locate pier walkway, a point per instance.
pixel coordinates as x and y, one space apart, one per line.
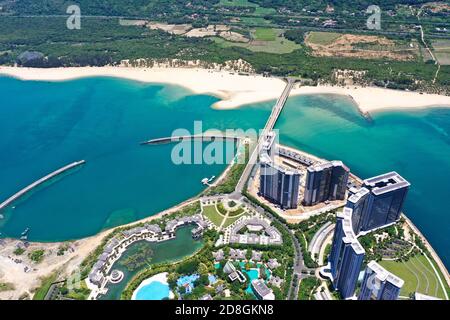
203 137
276 111
16 196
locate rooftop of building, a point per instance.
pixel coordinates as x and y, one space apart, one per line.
329 164
386 182
261 288
384 275
359 193
267 160
350 237
268 141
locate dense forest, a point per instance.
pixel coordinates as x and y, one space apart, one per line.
349 5
112 7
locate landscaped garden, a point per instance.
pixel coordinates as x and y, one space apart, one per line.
223 215
418 275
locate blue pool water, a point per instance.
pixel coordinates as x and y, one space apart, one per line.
253 274
187 282
212 279
153 291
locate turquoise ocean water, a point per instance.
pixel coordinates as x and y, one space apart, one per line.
45 126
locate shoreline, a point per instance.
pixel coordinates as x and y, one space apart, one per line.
235 89
234 96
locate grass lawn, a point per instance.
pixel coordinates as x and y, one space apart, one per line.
322 38
418 275
236 212
265 34
230 220
212 214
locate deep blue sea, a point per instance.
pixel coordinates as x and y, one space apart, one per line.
46 125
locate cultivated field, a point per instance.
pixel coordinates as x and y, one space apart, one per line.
245 3
418 275
442 51
264 40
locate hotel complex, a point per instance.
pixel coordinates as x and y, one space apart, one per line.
377 204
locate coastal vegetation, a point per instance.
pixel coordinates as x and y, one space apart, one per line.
229 182
37 255
19 251
6 286
45 285
406 257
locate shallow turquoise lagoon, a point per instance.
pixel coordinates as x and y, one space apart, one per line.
46 125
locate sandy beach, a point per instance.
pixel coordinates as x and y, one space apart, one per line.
235 90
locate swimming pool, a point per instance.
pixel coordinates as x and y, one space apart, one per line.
187 282
153 291
253 274
154 288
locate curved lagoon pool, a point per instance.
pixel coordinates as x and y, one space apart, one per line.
154 288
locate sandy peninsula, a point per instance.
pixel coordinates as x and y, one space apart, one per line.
233 89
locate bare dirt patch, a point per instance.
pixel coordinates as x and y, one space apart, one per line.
178 29
362 46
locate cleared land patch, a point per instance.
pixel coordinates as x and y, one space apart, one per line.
322 38
331 44
418 276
